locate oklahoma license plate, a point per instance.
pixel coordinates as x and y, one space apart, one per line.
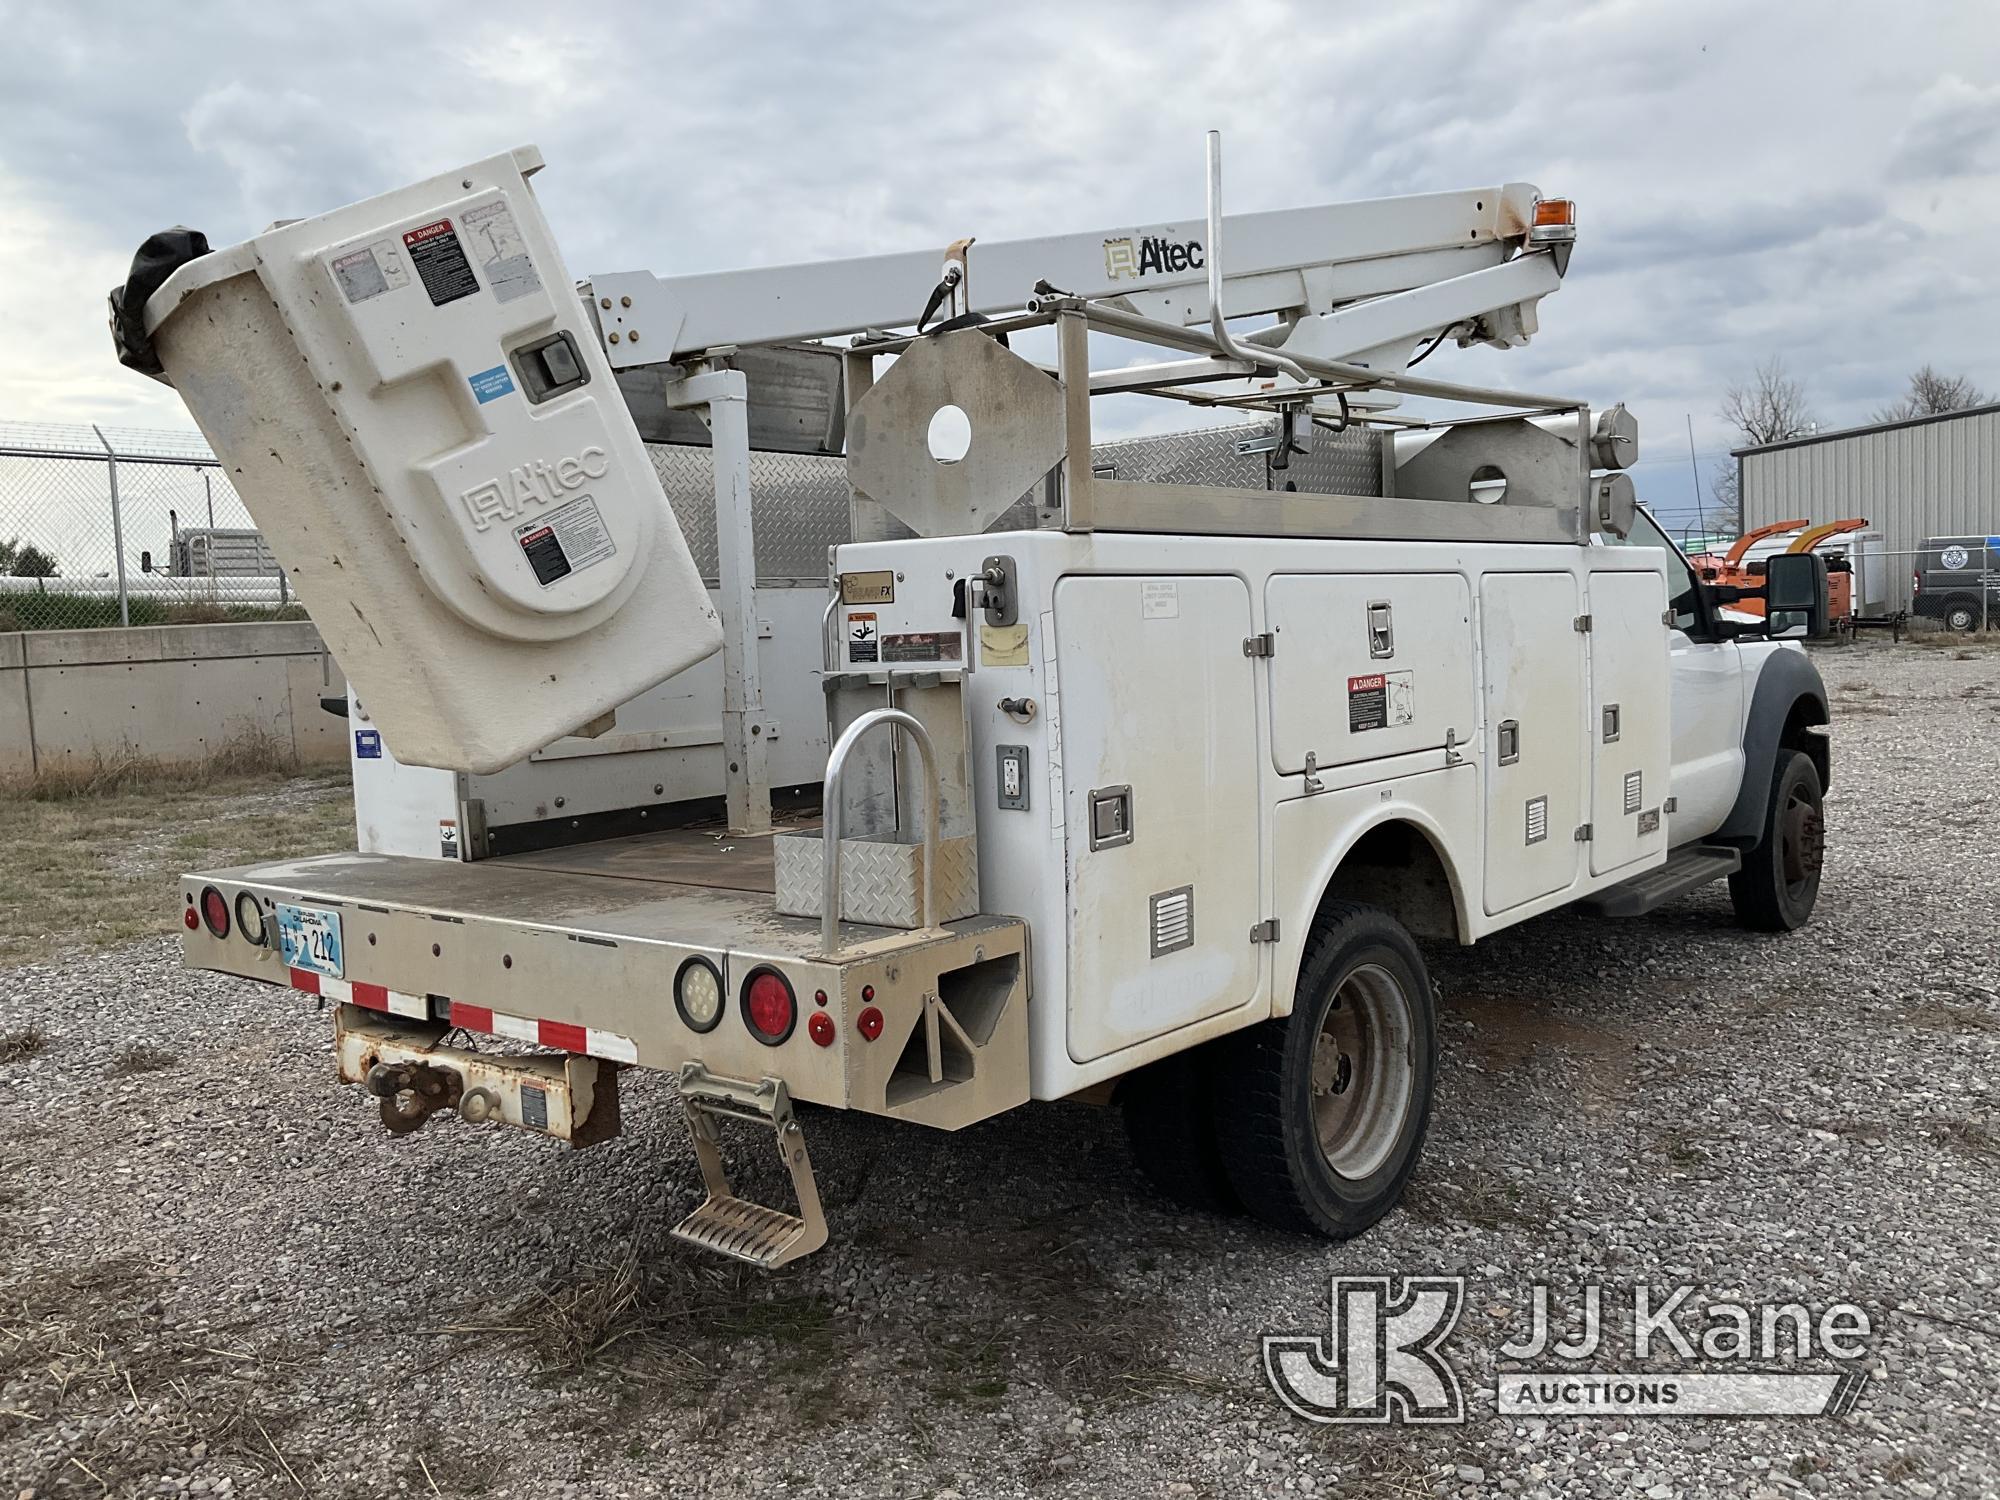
309 939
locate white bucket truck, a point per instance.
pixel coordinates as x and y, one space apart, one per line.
1031 766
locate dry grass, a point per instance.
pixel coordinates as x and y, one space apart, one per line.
19 1046
89 855
90 1348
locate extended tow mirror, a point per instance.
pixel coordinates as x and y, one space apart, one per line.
1795 593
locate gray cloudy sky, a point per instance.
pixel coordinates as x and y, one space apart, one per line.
1811 179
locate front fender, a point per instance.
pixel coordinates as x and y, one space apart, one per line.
1789 693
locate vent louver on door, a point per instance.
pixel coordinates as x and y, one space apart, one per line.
1635 790
1538 819
1171 916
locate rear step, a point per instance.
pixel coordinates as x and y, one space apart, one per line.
1686 869
725 1223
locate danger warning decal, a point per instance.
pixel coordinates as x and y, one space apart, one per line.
565 541
440 262
864 642
1381 700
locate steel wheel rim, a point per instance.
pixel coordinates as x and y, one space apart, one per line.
1801 841
1363 1072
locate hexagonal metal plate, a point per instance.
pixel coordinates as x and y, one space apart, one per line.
1016 416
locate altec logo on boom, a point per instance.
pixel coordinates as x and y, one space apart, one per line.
1151 255
536 483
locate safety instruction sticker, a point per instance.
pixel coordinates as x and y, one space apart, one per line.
500 251
1381 700
440 261
565 541
370 270
1159 599
491 385
922 645
864 641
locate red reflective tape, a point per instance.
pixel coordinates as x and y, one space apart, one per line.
305 979
471 1017
561 1034
374 996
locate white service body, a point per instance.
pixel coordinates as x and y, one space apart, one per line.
1132 648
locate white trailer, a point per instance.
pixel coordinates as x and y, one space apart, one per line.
1134 771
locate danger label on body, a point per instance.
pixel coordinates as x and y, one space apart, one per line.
1381 700
440 261
864 642
565 541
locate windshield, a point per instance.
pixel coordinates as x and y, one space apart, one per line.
1646 532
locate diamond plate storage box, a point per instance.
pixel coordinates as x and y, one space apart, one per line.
881 878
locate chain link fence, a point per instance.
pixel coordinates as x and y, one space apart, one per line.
126 526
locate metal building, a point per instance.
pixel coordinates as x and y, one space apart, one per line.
1924 477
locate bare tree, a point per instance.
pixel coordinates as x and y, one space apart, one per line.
1725 499
1933 393
1770 408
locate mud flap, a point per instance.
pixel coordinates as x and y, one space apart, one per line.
729 1225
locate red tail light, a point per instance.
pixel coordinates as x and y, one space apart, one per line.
215 911
768 1006
821 1028
191 919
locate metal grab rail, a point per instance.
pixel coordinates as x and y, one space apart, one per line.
829 890
1218 324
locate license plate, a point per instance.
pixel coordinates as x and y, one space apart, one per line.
309 939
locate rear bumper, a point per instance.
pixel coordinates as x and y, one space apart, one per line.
925 1026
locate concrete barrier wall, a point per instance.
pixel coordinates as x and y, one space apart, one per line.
172 693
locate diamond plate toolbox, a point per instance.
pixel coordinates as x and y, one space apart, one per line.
881 880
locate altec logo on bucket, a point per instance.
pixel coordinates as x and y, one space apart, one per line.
1382 1359
536 483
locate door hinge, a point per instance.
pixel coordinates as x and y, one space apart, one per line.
1265 931
1260 645
1667 618
1671 805
1313 783
1583 834
1581 624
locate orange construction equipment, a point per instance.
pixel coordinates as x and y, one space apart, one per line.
1728 567
1839 582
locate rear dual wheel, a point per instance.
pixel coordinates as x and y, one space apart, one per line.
1314 1121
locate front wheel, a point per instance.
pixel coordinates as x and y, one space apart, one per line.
1779 882
1320 1115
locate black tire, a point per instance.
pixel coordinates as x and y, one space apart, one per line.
1779 882
1363 988
1169 1111
1961 615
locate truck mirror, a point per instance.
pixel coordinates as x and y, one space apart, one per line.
1795 592
145 562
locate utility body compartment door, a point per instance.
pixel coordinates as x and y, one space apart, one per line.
1367 665
1158 718
1534 735
1631 735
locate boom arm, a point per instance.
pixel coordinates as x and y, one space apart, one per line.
1344 279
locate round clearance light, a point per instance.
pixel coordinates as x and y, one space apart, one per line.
768 1007
215 911
698 994
820 1029
250 918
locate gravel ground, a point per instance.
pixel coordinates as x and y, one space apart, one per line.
219 1276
